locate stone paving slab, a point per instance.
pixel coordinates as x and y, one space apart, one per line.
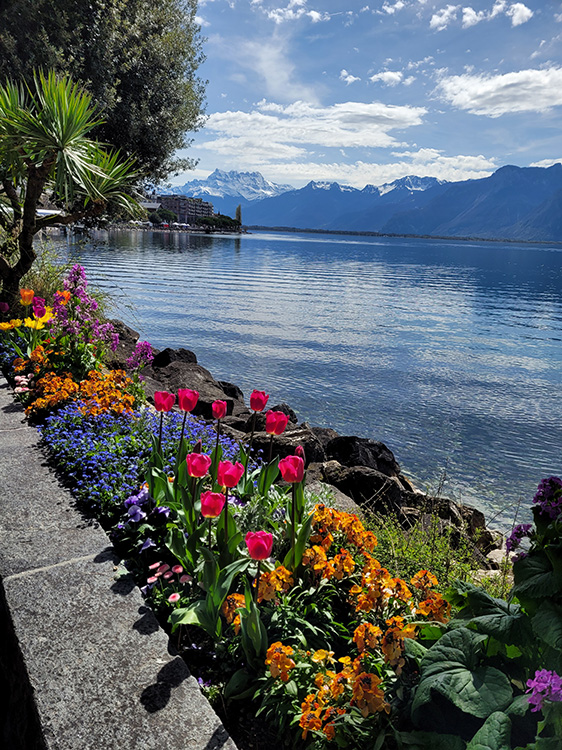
101 672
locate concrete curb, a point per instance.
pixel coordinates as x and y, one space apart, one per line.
84 663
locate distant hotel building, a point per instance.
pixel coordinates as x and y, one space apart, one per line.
186 209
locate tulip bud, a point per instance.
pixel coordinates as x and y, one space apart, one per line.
212 504
198 464
163 401
292 469
260 544
229 474
258 400
187 399
219 409
275 422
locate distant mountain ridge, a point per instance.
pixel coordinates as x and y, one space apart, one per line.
519 203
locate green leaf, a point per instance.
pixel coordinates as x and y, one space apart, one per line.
534 576
547 624
450 668
494 734
195 614
241 685
414 649
267 476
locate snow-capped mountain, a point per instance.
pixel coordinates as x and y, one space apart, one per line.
226 190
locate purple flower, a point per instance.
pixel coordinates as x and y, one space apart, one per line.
549 497
141 356
135 513
148 543
514 539
4 307
162 510
547 686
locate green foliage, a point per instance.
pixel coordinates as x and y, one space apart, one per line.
137 58
425 545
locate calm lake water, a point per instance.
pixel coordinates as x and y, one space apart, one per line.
450 352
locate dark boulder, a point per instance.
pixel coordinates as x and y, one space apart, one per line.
325 435
167 356
181 374
285 444
350 450
369 488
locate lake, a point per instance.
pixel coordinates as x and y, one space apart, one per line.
450 352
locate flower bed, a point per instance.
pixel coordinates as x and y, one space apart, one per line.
277 601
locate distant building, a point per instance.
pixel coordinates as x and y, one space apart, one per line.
186 209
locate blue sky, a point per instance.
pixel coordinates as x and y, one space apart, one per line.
367 92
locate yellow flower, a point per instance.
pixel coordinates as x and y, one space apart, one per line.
36 325
323 655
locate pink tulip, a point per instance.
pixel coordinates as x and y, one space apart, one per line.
163 401
275 422
177 569
219 409
292 469
260 544
198 464
187 399
229 474
258 400
212 504
173 598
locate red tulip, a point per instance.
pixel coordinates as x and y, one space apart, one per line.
260 544
258 400
219 409
229 474
198 464
292 469
299 451
187 399
212 504
275 422
163 401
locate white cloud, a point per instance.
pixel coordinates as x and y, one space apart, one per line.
200 21
499 7
388 77
269 59
276 132
546 162
521 91
471 17
293 11
316 17
391 9
443 17
347 77
519 14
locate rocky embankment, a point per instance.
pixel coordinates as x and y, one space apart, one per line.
361 472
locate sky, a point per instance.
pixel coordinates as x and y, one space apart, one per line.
367 92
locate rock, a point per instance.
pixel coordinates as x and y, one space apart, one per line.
260 417
128 338
350 450
182 374
285 444
405 482
334 497
167 356
324 435
367 487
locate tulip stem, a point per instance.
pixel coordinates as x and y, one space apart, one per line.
258 582
226 516
270 448
160 433
209 533
218 436
182 428
293 520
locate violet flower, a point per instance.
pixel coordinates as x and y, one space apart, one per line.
547 686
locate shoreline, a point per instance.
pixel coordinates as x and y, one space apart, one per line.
363 473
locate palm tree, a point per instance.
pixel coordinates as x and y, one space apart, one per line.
45 152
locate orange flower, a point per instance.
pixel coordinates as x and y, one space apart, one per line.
435 607
366 636
62 297
315 557
27 296
279 661
368 696
424 580
229 607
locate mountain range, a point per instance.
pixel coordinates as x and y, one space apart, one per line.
518 203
